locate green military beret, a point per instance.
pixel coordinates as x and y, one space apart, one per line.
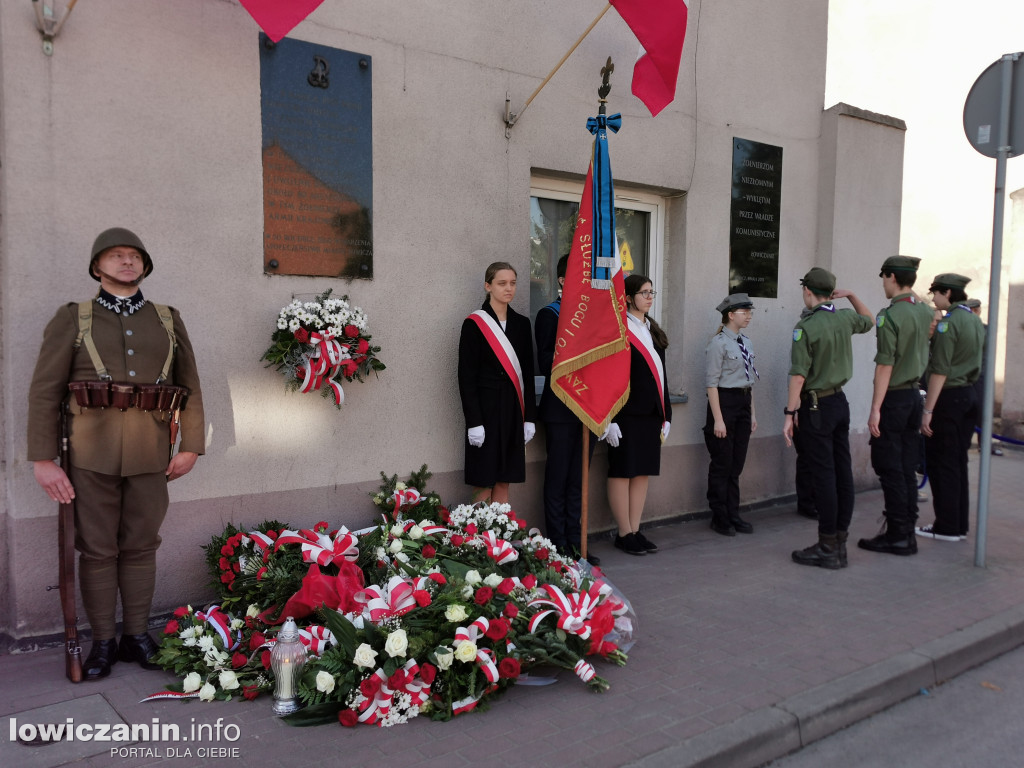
951 280
819 280
735 301
899 264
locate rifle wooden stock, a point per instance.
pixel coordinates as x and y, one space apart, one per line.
66 567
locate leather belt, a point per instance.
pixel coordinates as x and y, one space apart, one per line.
122 395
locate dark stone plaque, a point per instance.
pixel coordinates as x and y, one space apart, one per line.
317 160
754 223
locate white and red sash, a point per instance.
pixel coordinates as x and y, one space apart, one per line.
503 350
645 346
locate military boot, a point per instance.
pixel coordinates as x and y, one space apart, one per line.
824 554
894 538
841 537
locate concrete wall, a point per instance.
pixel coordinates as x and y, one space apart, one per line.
148 116
1013 256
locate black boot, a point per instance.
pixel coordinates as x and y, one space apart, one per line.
102 657
138 648
894 539
741 525
824 554
720 525
841 537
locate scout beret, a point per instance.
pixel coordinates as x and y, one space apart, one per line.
951 280
735 301
900 264
111 238
819 280
972 303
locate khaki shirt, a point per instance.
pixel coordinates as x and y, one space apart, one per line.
957 347
133 348
901 335
724 361
822 350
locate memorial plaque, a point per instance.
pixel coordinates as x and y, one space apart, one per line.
755 218
317 160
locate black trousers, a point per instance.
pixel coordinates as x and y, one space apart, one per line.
804 485
728 454
563 473
823 437
895 455
946 456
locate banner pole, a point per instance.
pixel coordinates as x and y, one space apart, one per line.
584 482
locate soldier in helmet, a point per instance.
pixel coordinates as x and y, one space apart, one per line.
124 367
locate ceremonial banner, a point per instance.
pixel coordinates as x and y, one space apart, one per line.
278 17
590 372
660 26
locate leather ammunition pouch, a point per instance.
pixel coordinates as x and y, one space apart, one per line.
113 394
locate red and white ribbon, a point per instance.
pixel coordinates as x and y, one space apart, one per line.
410 497
322 363
572 611
484 656
499 550
584 670
221 624
317 639
376 709
320 548
393 599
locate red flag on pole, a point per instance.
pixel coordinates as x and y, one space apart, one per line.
660 26
590 372
279 17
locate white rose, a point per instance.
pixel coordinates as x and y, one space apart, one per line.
397 529
396 545
444 660
192 682
466 651
381 553
237 624
252 611
324 681
415 533
365 656
206 692
467 592
473 577
400 486
397 643
455 613
493 580
228 680
402 557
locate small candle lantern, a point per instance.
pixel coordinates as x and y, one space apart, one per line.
287 660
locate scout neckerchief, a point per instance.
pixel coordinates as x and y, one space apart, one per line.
748 361
646 348
909 298
502 349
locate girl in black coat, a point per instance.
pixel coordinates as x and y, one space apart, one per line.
497 389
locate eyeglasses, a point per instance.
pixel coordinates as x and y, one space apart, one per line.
647 294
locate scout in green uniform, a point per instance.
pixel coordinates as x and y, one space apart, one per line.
901 333
817 412
950 407
129 365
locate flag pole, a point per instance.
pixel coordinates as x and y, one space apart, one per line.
512 117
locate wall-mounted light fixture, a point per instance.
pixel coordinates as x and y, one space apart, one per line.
49 25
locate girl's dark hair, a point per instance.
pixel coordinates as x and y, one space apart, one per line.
635 284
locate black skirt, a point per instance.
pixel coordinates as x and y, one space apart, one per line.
639 450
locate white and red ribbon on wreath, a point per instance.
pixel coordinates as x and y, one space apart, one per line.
409 497
221 624
393 599
484 656
374 710
584 670
572 611
315 638
318 547
499 550
322 363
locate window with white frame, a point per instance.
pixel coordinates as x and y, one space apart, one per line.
639 229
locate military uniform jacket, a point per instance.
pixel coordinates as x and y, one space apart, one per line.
724 361
901 335
822 350
133 348
957 347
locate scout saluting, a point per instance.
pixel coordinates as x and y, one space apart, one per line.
497 388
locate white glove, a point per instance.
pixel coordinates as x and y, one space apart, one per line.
476 436
612 434
529 430
665 429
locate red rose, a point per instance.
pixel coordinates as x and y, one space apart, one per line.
471 529
266 556
457 540
224 564
521 524
427 673
437 578
236 540
529 581
260 574
542 553
256 641
227 550
171 628
351 331
349 367
511 610
272 534
180 613
321 527
428 551
250 692
370 686
363 346
421 596
508 668
506 586
301 335
348 717
237 568
397 681
497 629
557 566
239 660
483 595
444 515
227 577
265 659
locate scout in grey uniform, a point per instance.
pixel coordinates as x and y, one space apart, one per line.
901 332
129 366
729 376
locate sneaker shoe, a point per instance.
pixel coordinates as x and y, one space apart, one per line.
630 545
922 496
649 546
928 532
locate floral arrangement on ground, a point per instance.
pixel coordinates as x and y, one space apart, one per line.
433 610
318 343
